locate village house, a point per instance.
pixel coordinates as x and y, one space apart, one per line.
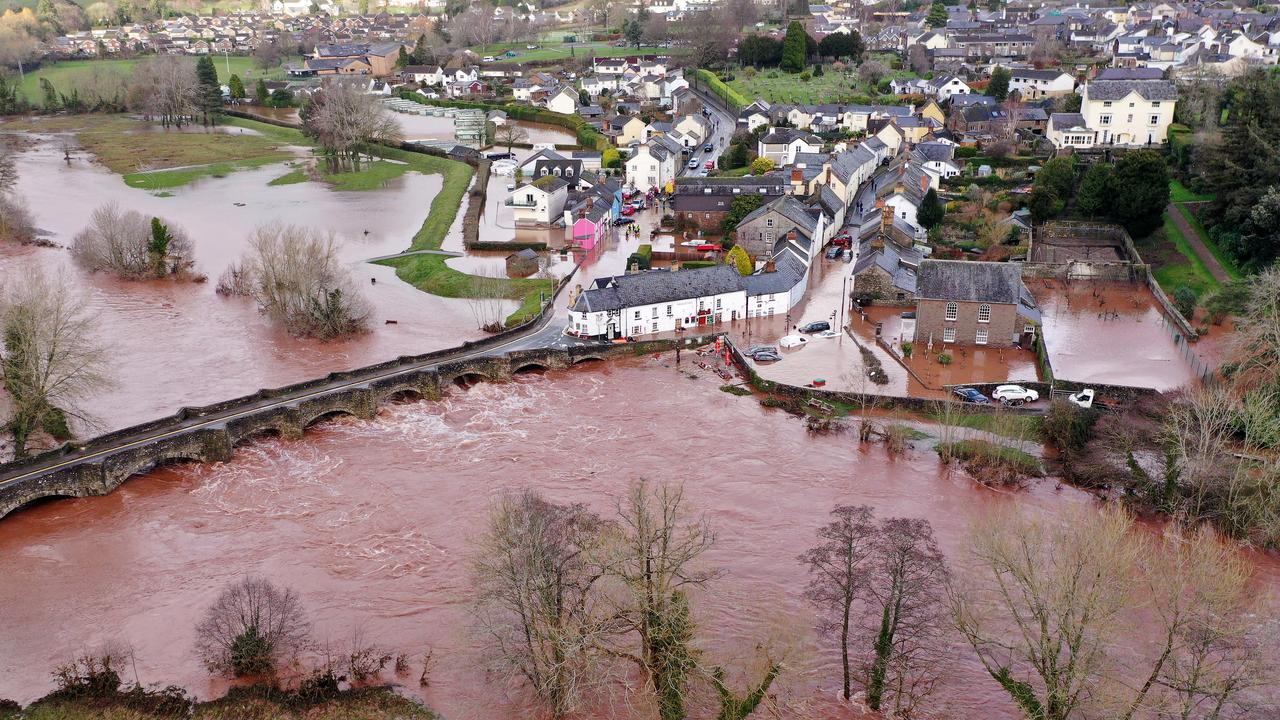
657 301
563 101
973 303
1129 112
1038 84
703 202
1068 130
653 164
781 145
784 223
539 204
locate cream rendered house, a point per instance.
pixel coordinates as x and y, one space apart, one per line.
1129 112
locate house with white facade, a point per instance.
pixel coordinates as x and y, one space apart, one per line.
1129 112
540 203
656 301
781 145
944 87
1037 84
653 164
564 101
1068 130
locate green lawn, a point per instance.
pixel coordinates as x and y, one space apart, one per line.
68 73
777 86
371 176
1180 193
1189 270
559 51
165 179
292 177
1022 427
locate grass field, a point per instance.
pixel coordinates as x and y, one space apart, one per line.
367 704
1021 427
371 176
552 50
65 74
777 86
1222 257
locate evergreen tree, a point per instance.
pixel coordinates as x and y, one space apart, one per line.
937 15
1044 204
742 206
1093 198
1058 175
210 91
1140 191
404 59
421 53
260 92
236 86
738 259
931 210
998 88
794 48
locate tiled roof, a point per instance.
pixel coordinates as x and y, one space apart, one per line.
967 281
658 286
1120 89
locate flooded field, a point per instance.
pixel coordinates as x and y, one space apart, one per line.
179 343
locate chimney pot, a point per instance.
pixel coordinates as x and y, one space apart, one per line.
924 184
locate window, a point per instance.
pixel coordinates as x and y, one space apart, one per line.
655 312
1155 104
953 311
768 222
984 313
1028 329
717 303
1106 104
1130 104
637 315
981 336
949 335
1155 119
668 311
1105 119
655 327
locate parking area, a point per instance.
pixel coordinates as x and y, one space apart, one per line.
1111 333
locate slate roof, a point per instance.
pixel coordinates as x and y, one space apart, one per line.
1120 89
937 152
785 136
657 286
1038 74
549 183
1143 73
1066 121
899 262
789 271
788 207
966 281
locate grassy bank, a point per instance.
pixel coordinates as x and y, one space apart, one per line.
1002 461
430 274
1011 425
1223 259
1180 193
366 704
1182 266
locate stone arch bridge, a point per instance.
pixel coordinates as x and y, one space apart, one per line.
210 434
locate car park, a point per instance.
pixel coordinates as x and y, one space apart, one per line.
815 327
1014 394
1083 398
968 394
790 341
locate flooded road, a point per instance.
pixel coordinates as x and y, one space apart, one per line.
174 344
371 522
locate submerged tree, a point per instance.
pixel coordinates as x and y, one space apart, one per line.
51 357
165 87
535 573
346 121
253 628
128 244
295 276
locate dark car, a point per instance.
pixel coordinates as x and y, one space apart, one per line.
834 252
968 394
624 221
766 356
815 327
759 348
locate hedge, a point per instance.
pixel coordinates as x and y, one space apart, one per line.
731 97
587 135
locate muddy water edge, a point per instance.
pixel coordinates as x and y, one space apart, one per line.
371 522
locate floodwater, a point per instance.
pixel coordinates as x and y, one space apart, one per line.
371 522
174 344
1122 318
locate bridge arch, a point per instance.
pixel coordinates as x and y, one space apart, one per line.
587 358
401 394
274 430
115 475
530 366
327 414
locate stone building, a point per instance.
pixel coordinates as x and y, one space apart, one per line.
973 303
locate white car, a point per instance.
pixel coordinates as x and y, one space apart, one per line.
1014 394
1084 398
790 341
829 334
487 58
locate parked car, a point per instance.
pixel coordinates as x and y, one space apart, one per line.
1084 398
815 327
708 148
693 164
628 210
790 341
624 221
1014 394
487 58
766 356
834 252
752 350
710 165
531 47
968 394
828 334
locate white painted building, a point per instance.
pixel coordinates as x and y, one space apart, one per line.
1037 84
657 301
1129 112
653 164
1068 130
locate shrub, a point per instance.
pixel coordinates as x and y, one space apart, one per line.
907 349
130 245
805 76
735 390
944 358
991 463
16 221
1068 425
1184 299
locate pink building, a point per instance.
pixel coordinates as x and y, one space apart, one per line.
591 231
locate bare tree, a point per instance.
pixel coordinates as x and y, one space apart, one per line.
52 359
509 134
654 563
253 628
871 72
1041 612
130 245
164 87
905 612
294 275
838 568
16 222
918 59
268 55
535 572
488 300
345 120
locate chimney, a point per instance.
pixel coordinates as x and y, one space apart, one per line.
897 187
797 175
886 218
770 265
924 184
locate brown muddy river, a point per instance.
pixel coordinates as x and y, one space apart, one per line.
371 521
